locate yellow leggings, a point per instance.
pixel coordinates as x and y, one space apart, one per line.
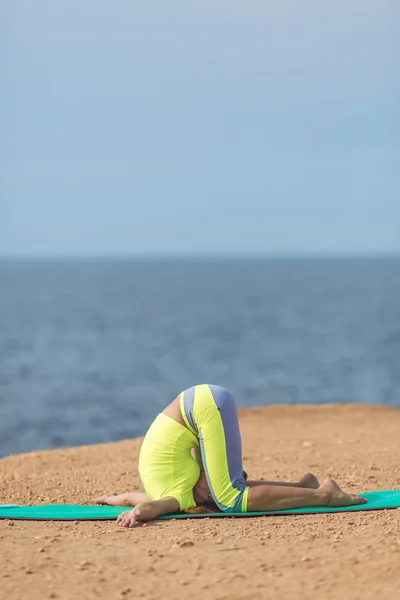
210 413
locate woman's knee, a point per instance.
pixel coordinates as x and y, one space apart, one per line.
223 398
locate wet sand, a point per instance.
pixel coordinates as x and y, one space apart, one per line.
348 556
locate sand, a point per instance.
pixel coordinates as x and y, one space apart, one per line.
347 556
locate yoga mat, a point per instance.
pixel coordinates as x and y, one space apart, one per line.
76 512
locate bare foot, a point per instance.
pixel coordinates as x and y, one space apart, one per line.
337 497
309 481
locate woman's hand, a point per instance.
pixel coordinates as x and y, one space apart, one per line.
145 511
148 511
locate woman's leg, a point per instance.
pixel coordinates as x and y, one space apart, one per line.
266 497
211 411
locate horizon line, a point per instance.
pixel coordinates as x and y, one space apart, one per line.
61 257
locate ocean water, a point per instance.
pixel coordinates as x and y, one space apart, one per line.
91 351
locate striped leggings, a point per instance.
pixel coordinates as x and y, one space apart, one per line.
210 413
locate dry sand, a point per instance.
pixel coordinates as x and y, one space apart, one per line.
347 556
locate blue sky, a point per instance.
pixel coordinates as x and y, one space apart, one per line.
188 127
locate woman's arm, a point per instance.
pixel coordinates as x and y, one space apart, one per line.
148 511
127 499
307 481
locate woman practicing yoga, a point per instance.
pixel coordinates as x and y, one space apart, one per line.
204 418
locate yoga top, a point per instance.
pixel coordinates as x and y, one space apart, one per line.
166 466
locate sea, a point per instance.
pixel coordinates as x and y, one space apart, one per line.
92 350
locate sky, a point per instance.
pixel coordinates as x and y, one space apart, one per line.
199 127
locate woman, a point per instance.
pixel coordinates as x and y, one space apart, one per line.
205 418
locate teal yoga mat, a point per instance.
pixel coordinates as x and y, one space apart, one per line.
76 512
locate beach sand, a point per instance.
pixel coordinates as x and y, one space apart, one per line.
348 556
